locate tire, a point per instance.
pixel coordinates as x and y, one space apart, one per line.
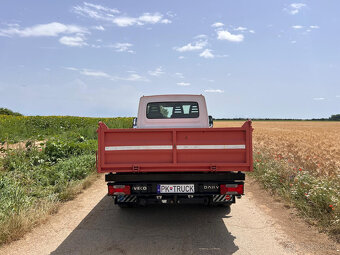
226 208
225 205
124 205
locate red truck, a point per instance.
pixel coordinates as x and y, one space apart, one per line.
172 155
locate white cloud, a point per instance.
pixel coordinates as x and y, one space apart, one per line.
150 18
201 36
337 96
100 28
51 29
244 29
71 68
217 24
294 11
295 8
319 98
94 73
179 75
171 14
314 27
297 5
100 12
293 42
124 21
240 29
157 72
73 35
297 27
94 11
181 57
166 21
207 54
183 84
100 74
122 47
89 72
192 46
73 41
225 35
101 8
146 18
214 91
132 77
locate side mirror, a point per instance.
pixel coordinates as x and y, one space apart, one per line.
211 121
134 125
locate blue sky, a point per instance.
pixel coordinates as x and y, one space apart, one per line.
96 58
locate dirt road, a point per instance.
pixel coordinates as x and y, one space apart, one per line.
92 224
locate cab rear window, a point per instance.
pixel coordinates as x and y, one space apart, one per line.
172 110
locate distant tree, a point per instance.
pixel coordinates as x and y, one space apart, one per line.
335 117
5 111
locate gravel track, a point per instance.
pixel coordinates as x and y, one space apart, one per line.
92 224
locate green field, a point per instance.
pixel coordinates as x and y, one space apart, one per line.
36 176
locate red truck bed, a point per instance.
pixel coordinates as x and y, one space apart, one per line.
175 149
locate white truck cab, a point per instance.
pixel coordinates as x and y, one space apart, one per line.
173 111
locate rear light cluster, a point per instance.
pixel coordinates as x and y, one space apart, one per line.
119 190
232 189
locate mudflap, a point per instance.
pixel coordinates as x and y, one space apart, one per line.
223 199
126 199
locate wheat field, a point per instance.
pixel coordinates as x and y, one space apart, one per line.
313 146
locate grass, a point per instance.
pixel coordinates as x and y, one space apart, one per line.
17 128
317 198
35 180
300 161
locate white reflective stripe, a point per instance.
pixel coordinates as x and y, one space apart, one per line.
142 147
210 147
169 147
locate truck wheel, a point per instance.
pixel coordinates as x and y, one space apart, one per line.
226 208
124 205
226 205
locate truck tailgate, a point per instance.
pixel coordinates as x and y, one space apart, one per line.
175 149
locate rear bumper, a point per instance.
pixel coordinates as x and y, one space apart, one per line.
144 188
174 199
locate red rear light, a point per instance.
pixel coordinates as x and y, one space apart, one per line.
119 190
232 189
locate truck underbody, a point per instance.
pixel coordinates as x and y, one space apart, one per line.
129 189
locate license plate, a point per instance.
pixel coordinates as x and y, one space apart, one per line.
175 188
